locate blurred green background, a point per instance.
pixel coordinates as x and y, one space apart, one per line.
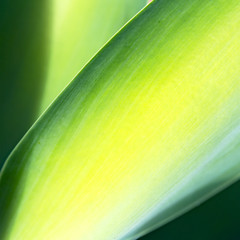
24 43
216 219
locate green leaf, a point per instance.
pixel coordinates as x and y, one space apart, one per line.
147 130
80 28
76 30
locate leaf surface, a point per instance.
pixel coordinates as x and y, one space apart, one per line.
147 130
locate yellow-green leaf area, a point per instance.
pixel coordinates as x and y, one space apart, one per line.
149 128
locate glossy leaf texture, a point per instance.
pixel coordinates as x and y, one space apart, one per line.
80 28
147 130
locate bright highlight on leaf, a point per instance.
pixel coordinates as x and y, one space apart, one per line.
143 133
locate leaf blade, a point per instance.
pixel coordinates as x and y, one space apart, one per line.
140 120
